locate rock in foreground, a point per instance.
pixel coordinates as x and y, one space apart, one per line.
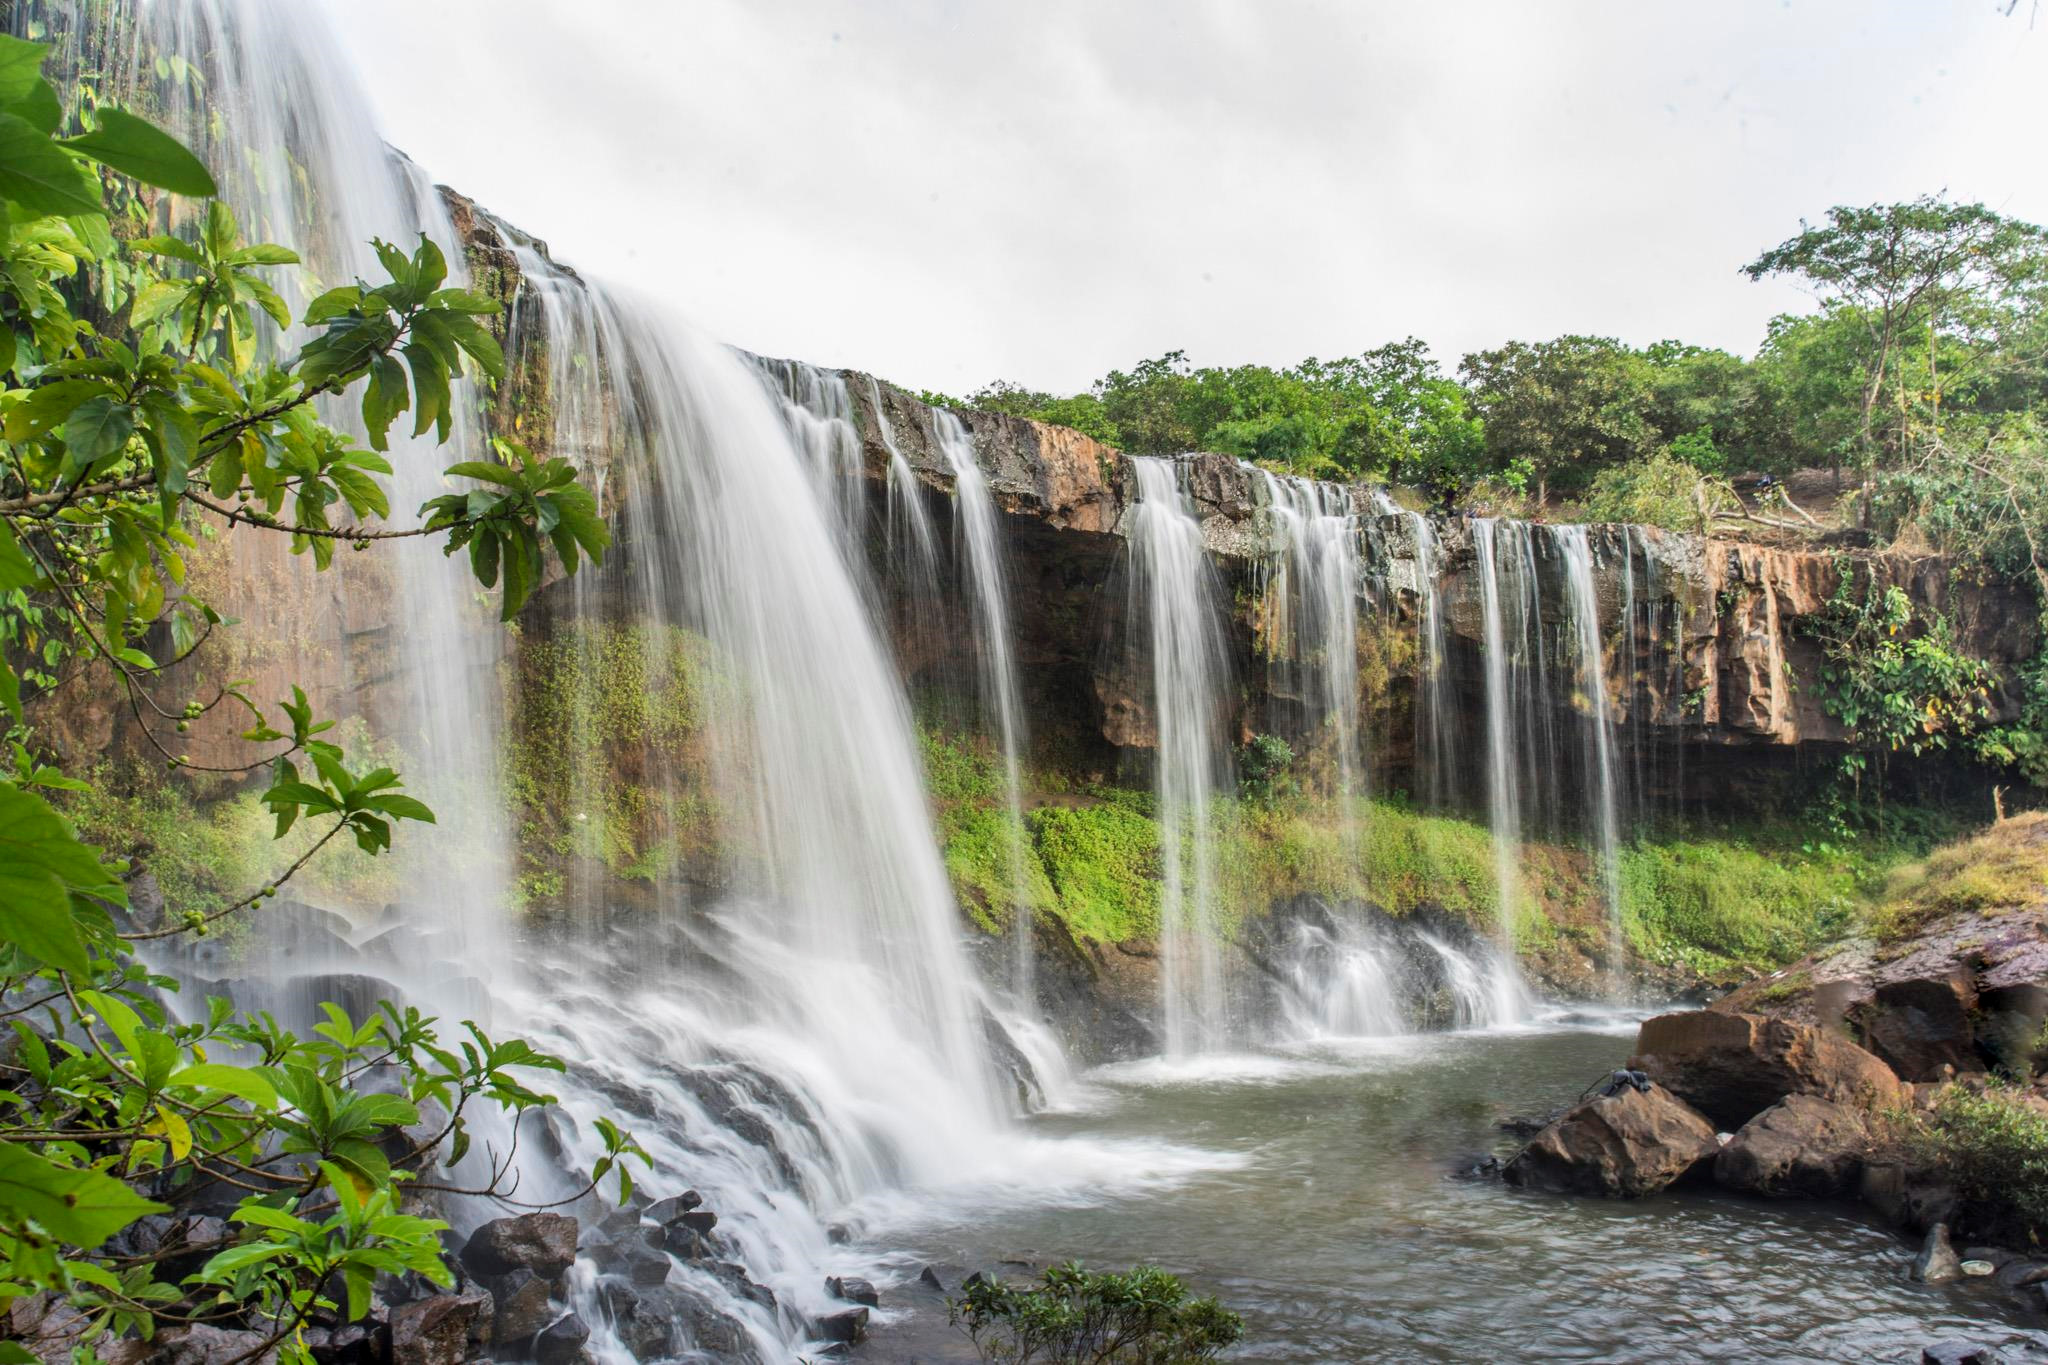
1802 1147
1628 1144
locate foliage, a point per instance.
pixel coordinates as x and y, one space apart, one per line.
1719 905
1663 490
1992 1147
1897 684
1103 862
1265 768
139 396
1939 291
1137 1317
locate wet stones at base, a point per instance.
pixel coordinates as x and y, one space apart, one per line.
854 1289
1937 1262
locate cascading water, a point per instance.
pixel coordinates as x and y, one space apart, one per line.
1311 616
1174 593
1582 610
989 577
1504 803
1435 756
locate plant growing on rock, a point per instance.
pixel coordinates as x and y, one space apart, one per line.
1081 1317
139 404
1992 1146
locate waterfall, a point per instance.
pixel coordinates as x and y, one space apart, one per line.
1434 751
1175 593
989 579
1310 601
1504 803
1582 611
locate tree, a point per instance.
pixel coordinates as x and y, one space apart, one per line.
1915 276
1566 407
137 405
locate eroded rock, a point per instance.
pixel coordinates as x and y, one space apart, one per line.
1628 1144
544 1243
1732 1067
1801 1147
1937 1262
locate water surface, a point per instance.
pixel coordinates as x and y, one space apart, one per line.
1330 1214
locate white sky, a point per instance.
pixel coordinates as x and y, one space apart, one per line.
947 192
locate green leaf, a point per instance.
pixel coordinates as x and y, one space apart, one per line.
239 1081
21 67
404 808
41 864
265 253
81 1207
97 429
139 149
39 175
157 300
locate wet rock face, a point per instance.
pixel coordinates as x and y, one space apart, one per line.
544 1243
1628 1144
1732 1067
1801 1147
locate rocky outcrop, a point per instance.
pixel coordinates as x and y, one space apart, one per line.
1627 1144
1961 988
1732 1067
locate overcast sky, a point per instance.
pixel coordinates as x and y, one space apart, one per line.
947 192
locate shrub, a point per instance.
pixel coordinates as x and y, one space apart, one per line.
1265 768
1663 490
1137 1317
1993 1148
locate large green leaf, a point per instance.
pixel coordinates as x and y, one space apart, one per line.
41 863
144 151
21 67
96 429
80 1207
40 176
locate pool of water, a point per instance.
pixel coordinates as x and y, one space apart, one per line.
1316 1190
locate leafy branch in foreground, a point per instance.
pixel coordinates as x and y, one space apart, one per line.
1082 1317
147 399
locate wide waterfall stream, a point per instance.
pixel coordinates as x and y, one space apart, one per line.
798 1027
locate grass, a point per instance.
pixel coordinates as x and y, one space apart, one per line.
1716 901
2003 868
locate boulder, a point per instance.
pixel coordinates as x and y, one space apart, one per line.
643 1323
853 1290
1732 1067
1960 1353
1628 1144
1922 1024
443 1330
201 1344
2018 1273
1937 1262
1802 1147
352 1343
929 1278
1912 1198
544 1243
561 1341
675 1206
849 1326
521 1306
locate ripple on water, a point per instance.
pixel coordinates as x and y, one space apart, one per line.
1312 1189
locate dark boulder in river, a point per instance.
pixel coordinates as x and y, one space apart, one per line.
1631 1143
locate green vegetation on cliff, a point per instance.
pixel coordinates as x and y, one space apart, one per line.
1712 902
